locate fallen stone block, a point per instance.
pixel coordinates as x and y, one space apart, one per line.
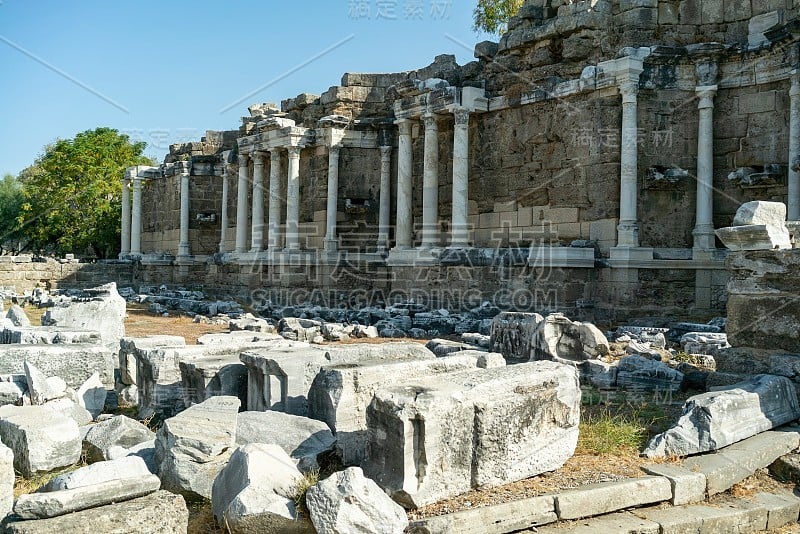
600 374
40 389
67 408
461 421
280 377
48 335
131 346
493 519
117 431
559 339
99 472
787 468
158 513
6 480
55 503
213 376
734 515
254 492
101 309
755 237
146 451
41 439
340 394
92 395
72 363
17 316
637 373
301 438
713 420
512 333
11 392
192 447
348 502
605 497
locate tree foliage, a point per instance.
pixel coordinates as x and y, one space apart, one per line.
10 202
72 193
492 16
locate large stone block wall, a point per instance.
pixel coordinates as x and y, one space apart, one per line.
24 273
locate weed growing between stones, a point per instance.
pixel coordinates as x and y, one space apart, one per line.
24 486
309 479
620 429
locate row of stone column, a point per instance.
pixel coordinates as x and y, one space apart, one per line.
131 216
430 182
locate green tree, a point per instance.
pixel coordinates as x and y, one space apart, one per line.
10 202
72 193
492 16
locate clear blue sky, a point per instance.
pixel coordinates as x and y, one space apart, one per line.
172 66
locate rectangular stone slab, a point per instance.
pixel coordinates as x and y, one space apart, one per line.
434 438
605 497
55 503
73 363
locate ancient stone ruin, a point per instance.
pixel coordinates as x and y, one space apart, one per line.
553 222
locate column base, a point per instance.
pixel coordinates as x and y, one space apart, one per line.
704 238
628 234
330 245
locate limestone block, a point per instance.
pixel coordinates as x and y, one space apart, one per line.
40 389
713 420
254 492
128 352
782 507
760 24
6 480
301 438
17 316
47 335
461 421
348 502
72 363
117 431
761 102
638 373
101 309
10 393
280 377
787 468
99 472
601 374
65 407
340 394
192 447
146 451
687 486
561 215
755 237
92 395
211 376
158 513
605 497
41 439
760 212
559 339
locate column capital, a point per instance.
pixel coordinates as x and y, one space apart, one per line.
333 150
258 157
430 120
386 153
629 89
294 151
404 126
706 94
184 167
243 159
461 115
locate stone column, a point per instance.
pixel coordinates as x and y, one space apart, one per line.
241 203
126 218
223 212
404 184
384 206
459 229
330 243
430 184
293 200
793 203
136 217
274 235
257 224
628 228
704 215
183 242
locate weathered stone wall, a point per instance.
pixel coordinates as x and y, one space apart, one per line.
24 273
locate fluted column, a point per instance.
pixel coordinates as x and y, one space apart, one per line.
257 224
793 202
223 217
330 243
136 217
183 241
384 204
293 200
430 184
628 228
241 203
704 214
403 228
459 229
125 248
274 230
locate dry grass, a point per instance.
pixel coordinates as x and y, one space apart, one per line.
201 519
309 479
23 486
140 322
